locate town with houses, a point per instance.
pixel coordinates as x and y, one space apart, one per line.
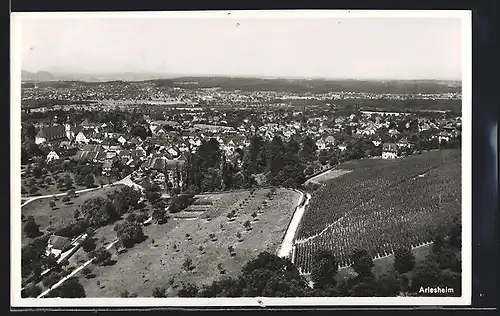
146 136
170 139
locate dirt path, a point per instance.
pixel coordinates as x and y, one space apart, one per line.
286 246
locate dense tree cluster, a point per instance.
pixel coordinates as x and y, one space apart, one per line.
129 233
31 228
267 275
99 212
282 163
71 288
32 255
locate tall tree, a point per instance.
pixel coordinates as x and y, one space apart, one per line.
426 274
324 269
99 212
89 244
308 150
255 157
188 290
102 256
270 275
362 262
129 233
71 288
31 228
28 131
404 260
389 284
275 153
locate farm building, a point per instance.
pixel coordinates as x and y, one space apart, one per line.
49 134
389 151
57 245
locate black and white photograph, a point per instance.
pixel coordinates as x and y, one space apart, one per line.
241 158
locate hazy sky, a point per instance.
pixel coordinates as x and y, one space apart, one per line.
382 48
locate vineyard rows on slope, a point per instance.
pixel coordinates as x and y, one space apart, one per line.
412 197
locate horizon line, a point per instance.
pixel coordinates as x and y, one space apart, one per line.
233 76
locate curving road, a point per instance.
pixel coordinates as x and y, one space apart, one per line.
287 244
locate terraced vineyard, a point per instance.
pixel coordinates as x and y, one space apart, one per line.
381 208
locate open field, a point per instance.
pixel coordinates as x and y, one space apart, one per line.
155 261
63 213
378 208
327 176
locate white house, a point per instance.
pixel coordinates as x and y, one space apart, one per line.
393 132
330 141
342 147
86 136
122 140
321 144
81 138
52 156
172 152
376 143
389 151
107 166
443 137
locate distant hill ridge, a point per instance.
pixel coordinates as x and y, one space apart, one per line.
42 76
257 84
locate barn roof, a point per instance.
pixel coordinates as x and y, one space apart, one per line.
52 132
59 242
